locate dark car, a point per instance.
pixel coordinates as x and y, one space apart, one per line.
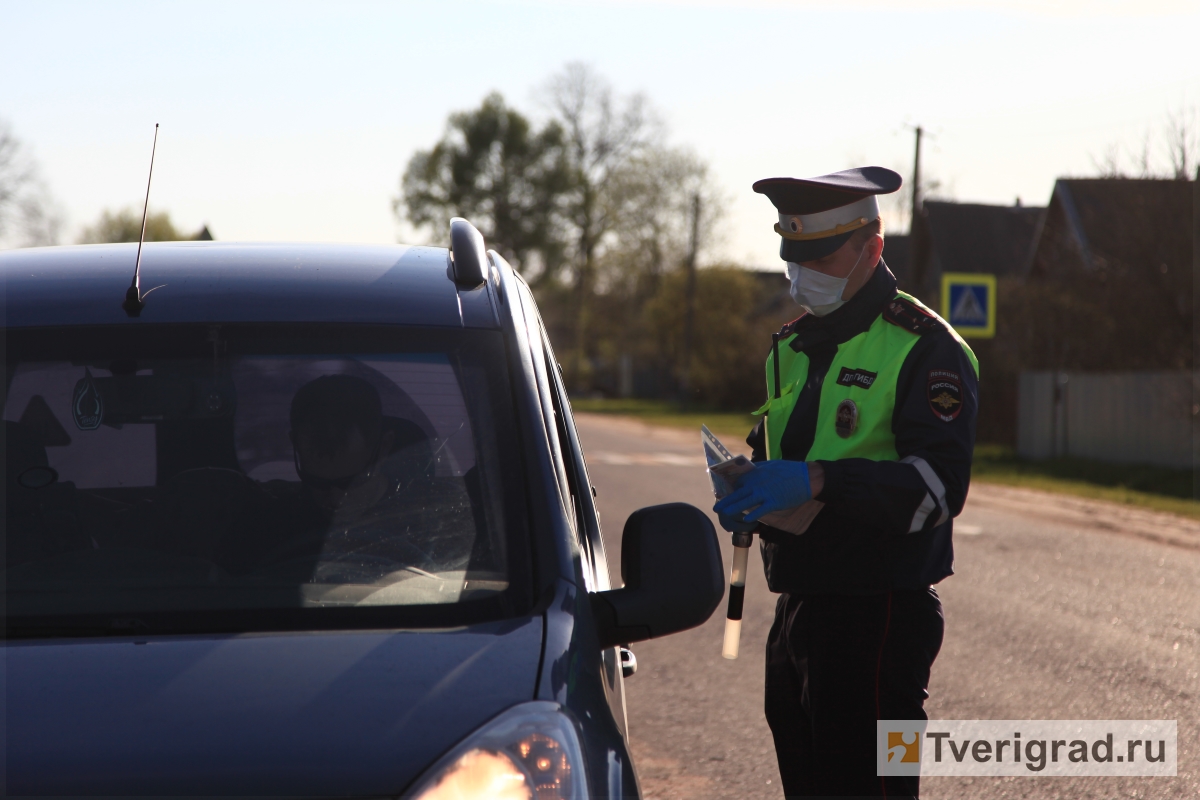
314 520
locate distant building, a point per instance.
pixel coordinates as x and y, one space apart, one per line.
969 237
1111 271
1102 224
1107 315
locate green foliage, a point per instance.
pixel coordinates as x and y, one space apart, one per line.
493 168
126 226
730 340
600 215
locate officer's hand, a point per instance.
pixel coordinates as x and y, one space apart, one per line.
735 524
770 486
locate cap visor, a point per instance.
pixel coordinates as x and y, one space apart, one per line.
811 249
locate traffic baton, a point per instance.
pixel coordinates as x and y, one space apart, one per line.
737 594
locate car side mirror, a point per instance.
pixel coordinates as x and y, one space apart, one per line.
674 579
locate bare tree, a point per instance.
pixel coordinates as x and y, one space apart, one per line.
1182 136
15 176
651 233
605 136
1145 158
1180 139
28 214
1108 163
42 221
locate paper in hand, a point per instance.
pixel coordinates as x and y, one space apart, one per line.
724 469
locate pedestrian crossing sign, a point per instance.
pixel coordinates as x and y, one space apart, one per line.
969 303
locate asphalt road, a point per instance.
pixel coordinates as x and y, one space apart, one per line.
1059 610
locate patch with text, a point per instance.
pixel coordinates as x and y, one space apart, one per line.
945 394
856 377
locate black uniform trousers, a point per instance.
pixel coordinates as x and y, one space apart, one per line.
835 665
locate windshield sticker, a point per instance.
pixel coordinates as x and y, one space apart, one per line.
87 404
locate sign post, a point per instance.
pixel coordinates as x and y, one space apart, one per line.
969 303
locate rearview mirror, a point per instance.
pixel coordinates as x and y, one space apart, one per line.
674 580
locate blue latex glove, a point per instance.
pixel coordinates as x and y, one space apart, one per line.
770 486
735 524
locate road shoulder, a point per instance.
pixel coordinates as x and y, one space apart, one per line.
1089 513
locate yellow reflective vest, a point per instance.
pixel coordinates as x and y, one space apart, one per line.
858 395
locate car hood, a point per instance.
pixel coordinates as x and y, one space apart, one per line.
311 714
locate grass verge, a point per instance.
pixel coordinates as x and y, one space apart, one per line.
1154 488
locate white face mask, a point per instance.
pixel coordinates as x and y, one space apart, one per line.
819 293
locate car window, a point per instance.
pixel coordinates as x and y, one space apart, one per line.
587 525
152 473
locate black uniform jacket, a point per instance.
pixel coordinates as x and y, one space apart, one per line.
885 524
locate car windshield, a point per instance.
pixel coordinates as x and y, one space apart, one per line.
175 479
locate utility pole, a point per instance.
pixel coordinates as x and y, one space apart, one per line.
689 318
916 187
1195 335
917 246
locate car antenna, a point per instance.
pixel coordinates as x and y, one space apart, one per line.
135 301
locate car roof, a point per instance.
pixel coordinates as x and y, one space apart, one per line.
190 282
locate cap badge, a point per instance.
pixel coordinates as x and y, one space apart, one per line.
846 420
795 225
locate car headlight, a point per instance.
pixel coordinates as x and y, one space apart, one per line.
530 752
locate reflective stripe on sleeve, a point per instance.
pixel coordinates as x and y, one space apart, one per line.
918 520
935 498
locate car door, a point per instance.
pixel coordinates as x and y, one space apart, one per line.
586 519
578 495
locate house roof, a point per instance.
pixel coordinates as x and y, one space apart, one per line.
971 237
1116 223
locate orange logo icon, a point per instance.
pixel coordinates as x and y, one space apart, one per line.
908 749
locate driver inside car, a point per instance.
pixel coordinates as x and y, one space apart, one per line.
339 444
374 522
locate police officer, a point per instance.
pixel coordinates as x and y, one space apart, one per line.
870 413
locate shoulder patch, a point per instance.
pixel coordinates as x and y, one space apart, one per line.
945 394
904 313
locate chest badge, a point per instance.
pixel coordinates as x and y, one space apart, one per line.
846 420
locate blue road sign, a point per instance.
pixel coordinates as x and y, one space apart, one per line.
969 303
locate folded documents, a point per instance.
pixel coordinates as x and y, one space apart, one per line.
724 469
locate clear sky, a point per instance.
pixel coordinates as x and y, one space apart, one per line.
293 121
